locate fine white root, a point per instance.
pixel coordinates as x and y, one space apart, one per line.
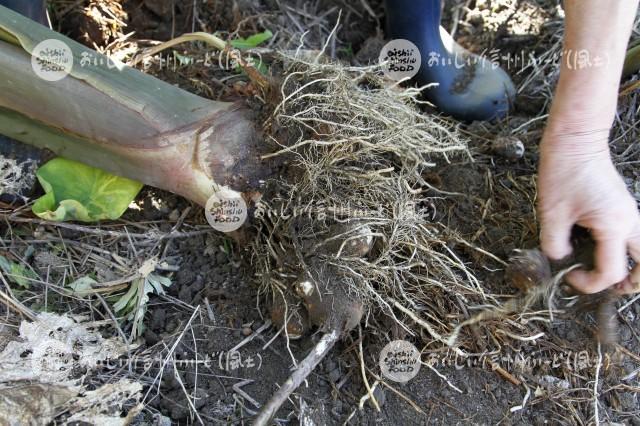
360 148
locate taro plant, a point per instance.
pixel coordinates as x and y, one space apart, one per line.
120 120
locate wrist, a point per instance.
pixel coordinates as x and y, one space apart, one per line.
573 109
576 135
583 102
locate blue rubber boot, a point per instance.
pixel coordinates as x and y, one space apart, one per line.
23 153
469 87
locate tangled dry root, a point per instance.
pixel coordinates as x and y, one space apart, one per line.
16 177
359 150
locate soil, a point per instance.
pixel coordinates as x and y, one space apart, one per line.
495 211
334 389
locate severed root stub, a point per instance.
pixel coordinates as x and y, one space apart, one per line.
330 306
330 303
603 306
327 299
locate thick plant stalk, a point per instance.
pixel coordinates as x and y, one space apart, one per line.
118 119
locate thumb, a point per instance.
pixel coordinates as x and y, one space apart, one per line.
631 284
555 237
610 268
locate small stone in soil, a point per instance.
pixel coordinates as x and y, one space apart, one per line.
335 375
158 319
150 337
625 333
508 147
379 395
160 420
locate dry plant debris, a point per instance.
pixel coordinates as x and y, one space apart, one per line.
56 349
97 23
15 177
42 373
38 403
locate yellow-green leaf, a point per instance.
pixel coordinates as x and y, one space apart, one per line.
251 41
75 191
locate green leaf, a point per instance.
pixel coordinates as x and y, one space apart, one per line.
157 281
153 283
347 50
5 264
75 191
127 298
17 272
260 66
133 304
249 43
252 41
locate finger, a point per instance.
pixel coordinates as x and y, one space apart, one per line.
555 237
611 267
631 284
633 245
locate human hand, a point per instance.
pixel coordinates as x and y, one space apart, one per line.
579 185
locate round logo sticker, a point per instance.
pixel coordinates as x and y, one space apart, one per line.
400 59
52 60
226 210
400 361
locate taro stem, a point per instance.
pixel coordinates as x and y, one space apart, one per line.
121 120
